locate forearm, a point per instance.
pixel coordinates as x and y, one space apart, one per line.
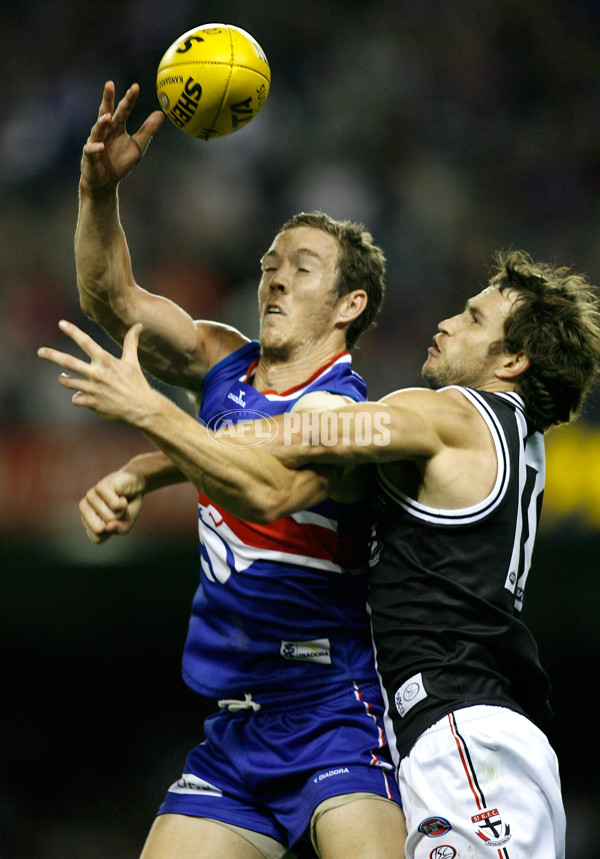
351 436
103 264
156 470
246 480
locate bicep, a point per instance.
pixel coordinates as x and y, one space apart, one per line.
422 423
399 426
173 346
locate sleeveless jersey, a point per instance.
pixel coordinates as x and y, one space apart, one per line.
274 610
447 588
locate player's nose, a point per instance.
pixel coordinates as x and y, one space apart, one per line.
280 282
448 326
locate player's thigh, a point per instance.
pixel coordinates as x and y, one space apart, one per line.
176 835
369 828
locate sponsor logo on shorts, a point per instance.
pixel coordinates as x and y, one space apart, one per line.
189 783
330 773
410 693
444 851
435 827
491 830
317 650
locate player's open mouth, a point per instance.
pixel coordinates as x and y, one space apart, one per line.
272 308
435 349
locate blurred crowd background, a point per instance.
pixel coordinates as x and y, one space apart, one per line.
451 129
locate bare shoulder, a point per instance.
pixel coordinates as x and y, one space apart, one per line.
321 401
426 398
457 466
218 340
448 412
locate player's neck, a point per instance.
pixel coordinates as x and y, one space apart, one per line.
277 371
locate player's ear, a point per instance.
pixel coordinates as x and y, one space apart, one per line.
352 305
513 366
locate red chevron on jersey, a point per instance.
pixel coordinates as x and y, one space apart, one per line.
304 535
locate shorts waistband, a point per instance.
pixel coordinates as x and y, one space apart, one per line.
297 700
469 713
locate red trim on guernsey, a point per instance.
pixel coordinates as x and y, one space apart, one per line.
289 391
250 370
283 535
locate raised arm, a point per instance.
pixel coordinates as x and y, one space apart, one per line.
173 347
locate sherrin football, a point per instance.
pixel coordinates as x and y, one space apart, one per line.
213 80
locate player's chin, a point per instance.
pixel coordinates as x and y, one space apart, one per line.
271 333
274 345
429 376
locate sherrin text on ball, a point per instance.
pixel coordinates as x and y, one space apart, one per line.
213 80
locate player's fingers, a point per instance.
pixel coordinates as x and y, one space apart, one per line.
94 526
92 147
103 502
126 105
108 499
82 398
143 136
108 99
83 340
119 526
99 129
125 483
64 360
131 342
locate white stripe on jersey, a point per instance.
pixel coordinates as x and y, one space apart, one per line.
387 719
463 515
308 517
533 459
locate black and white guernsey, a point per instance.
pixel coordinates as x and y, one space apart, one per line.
446 588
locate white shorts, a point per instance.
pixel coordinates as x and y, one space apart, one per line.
482 782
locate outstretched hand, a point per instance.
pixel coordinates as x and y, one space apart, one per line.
110 153
114 388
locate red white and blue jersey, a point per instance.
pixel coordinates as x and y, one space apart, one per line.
275 609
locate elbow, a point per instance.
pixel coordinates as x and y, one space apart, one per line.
267 506
87 306
89 303
102 309
277 500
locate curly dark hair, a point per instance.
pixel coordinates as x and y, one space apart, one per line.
556 321
361 263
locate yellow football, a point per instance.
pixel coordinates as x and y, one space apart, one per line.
213 80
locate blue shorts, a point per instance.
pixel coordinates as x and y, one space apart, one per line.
268 770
